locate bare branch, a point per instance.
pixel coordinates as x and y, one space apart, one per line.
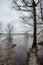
27 23
37 3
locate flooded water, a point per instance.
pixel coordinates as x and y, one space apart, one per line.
20 54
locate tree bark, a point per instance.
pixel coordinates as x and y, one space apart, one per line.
34 37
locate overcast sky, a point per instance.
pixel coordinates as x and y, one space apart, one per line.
10 15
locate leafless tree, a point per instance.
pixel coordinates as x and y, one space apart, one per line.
28 6
9 31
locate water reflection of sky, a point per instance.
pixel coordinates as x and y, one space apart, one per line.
19 53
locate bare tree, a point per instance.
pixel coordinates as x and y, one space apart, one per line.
9 44
28 6
9 32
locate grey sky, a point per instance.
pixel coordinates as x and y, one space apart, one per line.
7 14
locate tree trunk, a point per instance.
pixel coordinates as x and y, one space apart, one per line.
34 38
